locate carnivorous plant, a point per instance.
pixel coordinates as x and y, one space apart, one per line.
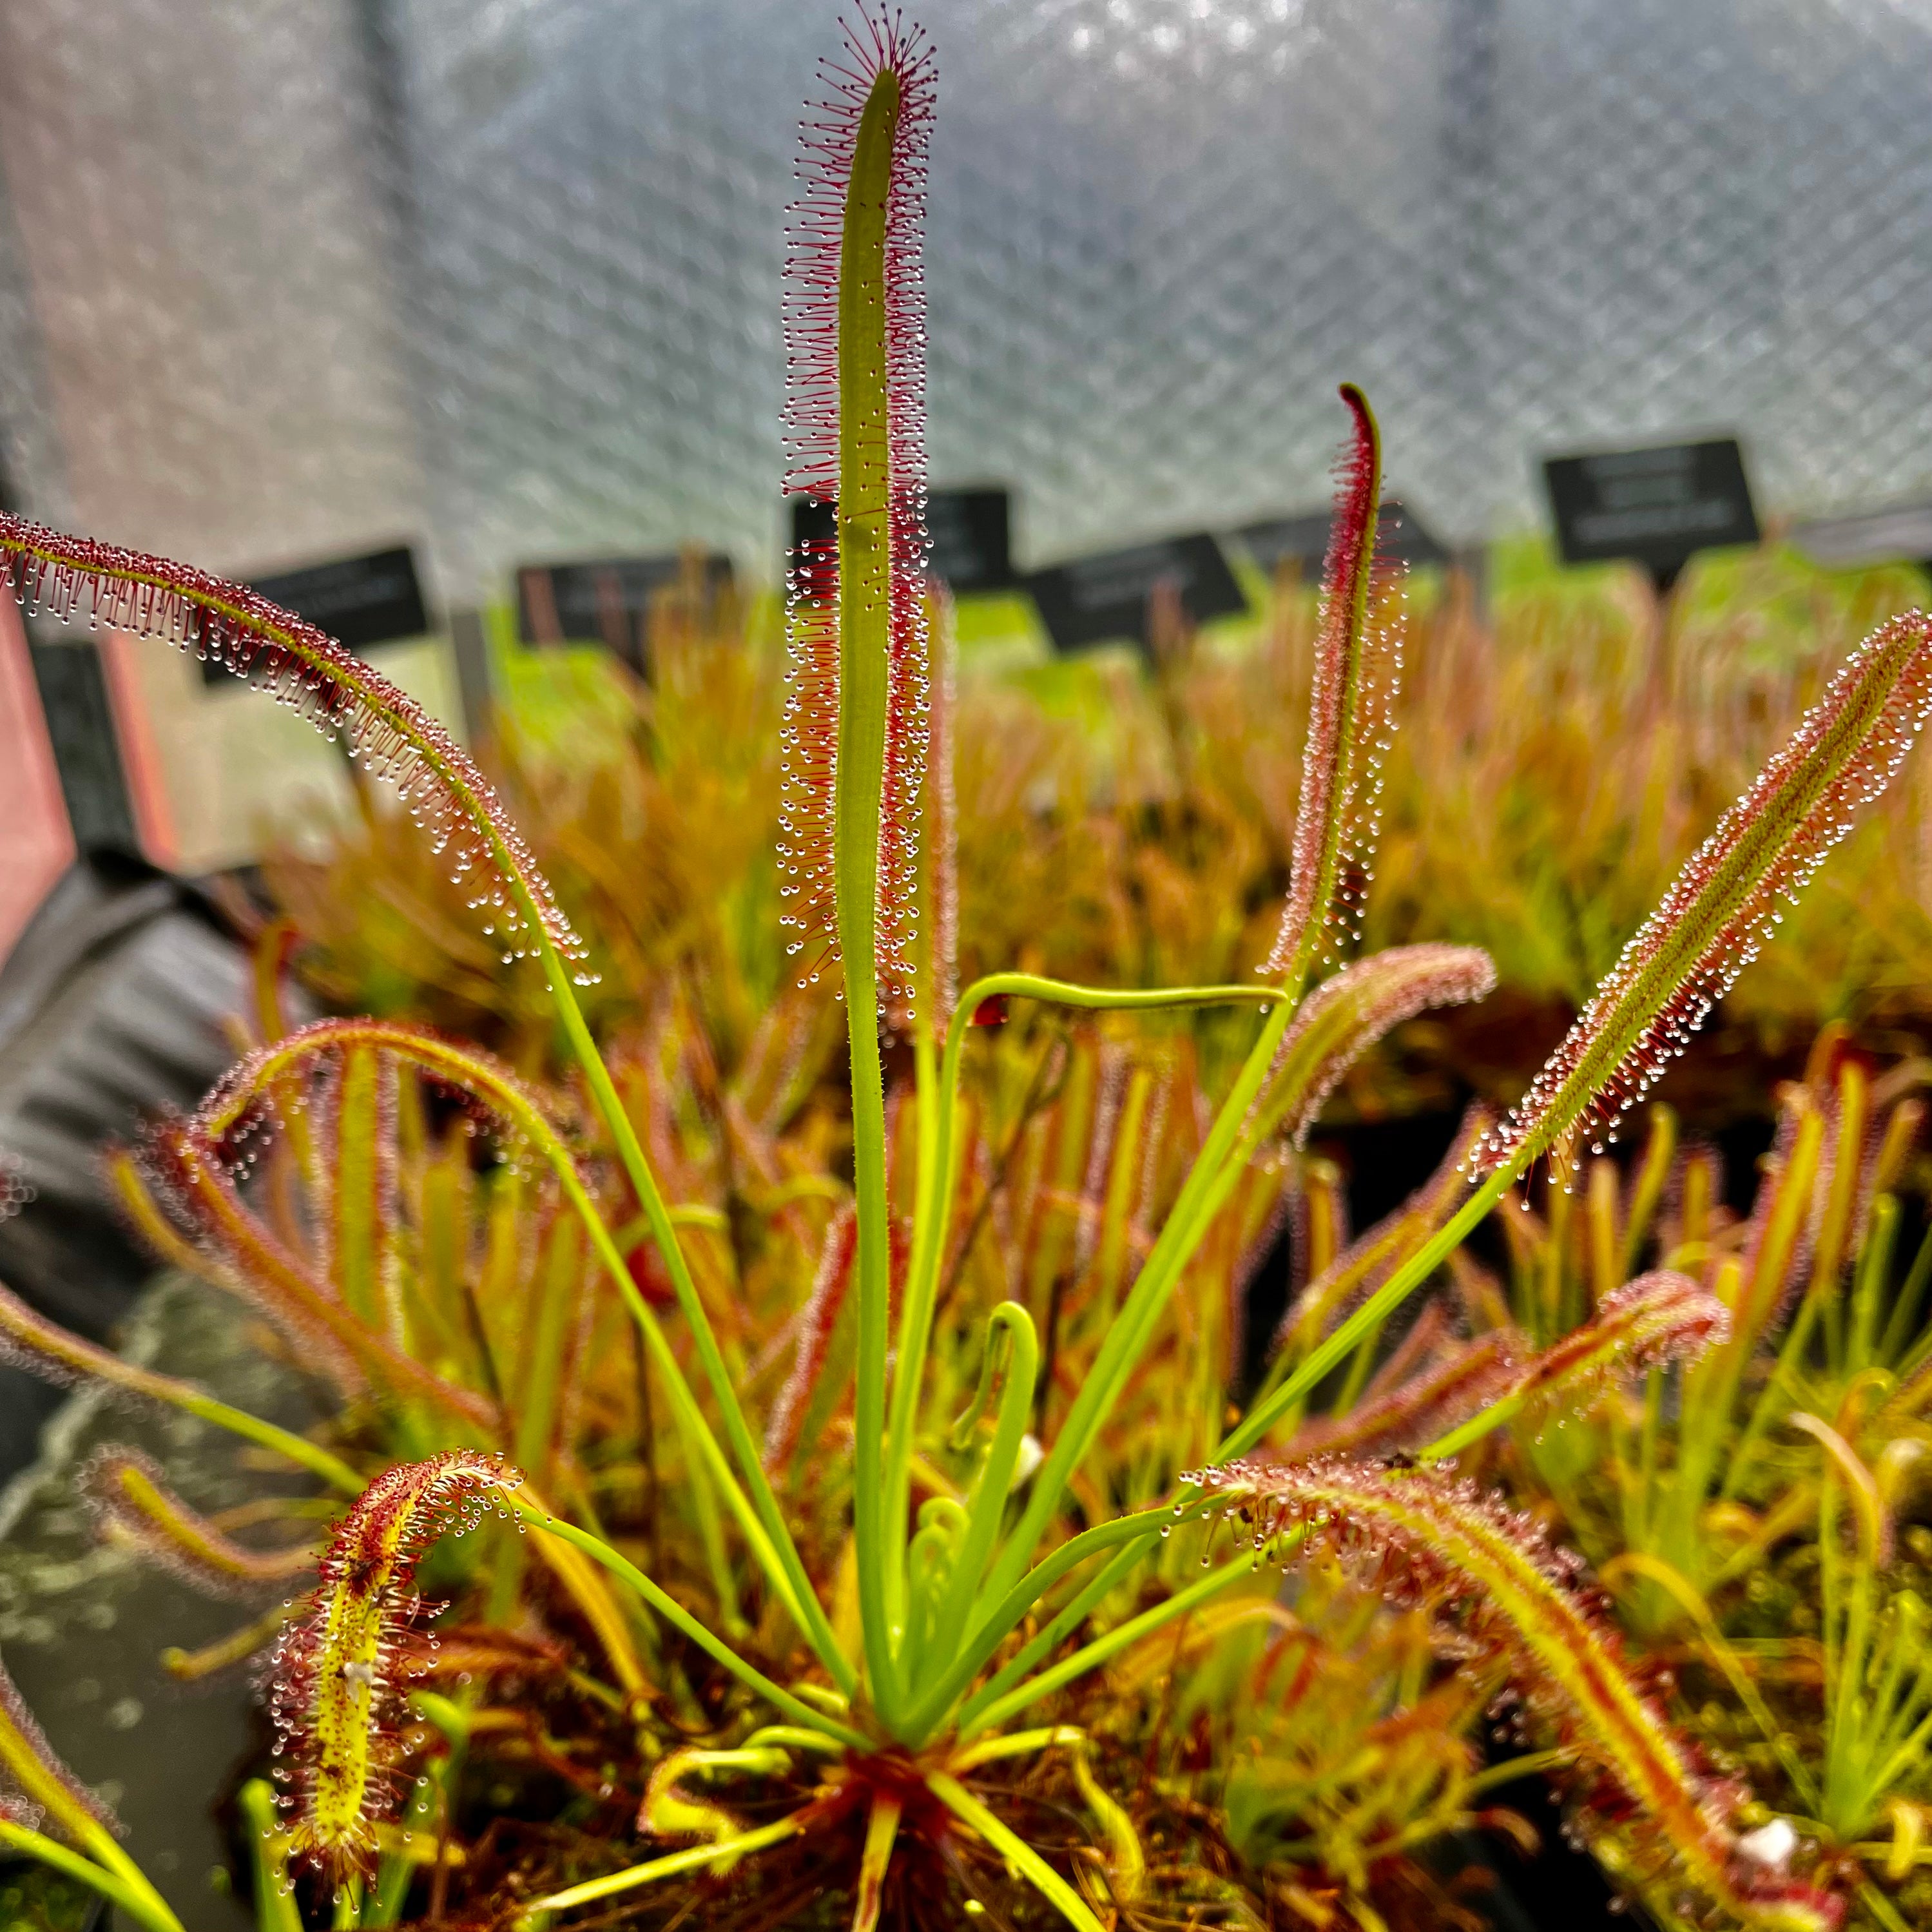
967 1596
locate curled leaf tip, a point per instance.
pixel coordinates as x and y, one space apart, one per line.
386 731
1714 919
292 1075
1353 1009
335 1679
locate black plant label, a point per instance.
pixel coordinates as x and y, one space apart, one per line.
1658 507
374 599
608 601
970 532
1109 598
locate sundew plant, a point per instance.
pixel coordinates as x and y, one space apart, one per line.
971 1611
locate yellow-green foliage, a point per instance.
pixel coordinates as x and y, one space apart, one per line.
1757 1514
1120 825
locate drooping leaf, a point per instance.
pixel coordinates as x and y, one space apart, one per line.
1353 1009
335 1682
393 737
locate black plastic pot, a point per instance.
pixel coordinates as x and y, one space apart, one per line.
111 1004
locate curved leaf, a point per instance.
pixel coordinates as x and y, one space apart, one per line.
1713 920
1433 1537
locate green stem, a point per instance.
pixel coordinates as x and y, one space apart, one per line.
1142 1527
710 1534
275 1908
987 1715
337 1474
689 1419
1356 1378
105 1849
1402 1283
1484 1422
1175 1246
1066 1620
915 1319
673 1612
873 1268
765 1527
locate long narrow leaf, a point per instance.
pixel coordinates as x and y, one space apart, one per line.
1358 674
131 1497
1712 923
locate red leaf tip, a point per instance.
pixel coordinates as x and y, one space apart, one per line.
1350 716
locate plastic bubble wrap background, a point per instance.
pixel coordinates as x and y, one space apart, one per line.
280 276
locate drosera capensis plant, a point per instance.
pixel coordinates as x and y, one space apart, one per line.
968 1609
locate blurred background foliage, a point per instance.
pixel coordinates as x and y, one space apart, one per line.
1565 743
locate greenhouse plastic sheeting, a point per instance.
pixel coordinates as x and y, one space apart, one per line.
280 275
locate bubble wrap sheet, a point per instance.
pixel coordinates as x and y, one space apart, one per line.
281 275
